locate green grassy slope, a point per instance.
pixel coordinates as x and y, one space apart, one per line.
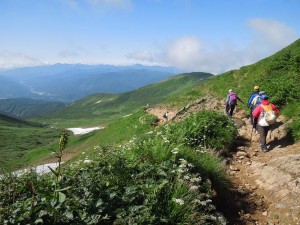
19 137
28 142
103 108
25 108
278 75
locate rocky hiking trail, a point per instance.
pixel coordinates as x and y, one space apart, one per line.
265 186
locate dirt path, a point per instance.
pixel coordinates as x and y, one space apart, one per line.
266 186
270 181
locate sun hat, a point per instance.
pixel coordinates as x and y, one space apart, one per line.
256 88
230 90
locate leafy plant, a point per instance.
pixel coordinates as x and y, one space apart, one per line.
205 129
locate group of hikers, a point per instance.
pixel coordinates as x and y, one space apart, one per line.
262 112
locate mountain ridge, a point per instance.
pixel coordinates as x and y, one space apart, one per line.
69 82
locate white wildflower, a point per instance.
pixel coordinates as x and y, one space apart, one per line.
87 161
178 201
180 171
174 151
166 140
186 177
196 179
193 188
158 133
190 165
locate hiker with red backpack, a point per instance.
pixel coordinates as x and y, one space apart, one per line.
231 102
264 115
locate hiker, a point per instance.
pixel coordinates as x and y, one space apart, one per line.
165 116
231 102
253 95
262 120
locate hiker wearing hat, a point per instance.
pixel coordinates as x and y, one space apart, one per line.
264 115
231 102
255 102
253 95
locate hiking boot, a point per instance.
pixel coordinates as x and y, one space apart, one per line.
263 148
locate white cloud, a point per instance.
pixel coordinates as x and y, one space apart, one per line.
194 54
272 32
270 35
185 51
9 59
145 56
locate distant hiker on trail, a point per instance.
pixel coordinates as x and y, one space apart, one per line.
253 95
166 116
231 102
264 115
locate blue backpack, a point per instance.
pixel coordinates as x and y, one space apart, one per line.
257 100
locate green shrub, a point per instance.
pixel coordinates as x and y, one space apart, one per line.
206 129
295 129
111 190
282 87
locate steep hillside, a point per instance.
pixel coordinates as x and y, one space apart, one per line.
6 120
26 108
19 137
278 75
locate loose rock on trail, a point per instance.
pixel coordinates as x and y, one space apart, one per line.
266 186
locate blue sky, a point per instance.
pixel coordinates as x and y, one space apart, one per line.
195 35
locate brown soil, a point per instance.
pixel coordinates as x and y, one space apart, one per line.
265 186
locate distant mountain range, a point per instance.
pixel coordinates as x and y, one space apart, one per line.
102 106
69 82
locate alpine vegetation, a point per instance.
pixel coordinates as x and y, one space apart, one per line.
165 175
